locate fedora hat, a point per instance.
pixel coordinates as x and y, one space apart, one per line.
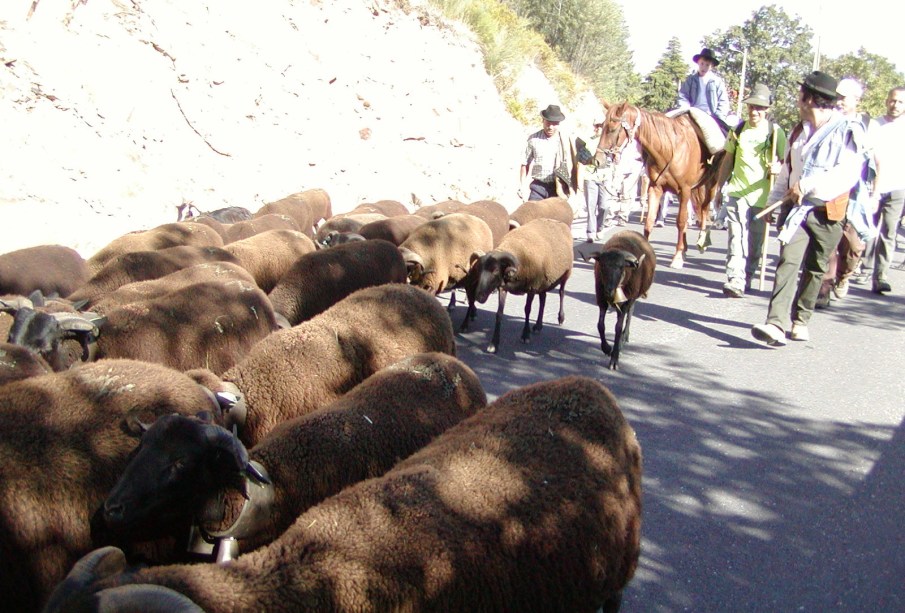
820 83
552 113
759 96
707 54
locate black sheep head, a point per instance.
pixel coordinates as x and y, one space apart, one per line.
610 271
494 270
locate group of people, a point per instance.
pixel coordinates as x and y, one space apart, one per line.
836 184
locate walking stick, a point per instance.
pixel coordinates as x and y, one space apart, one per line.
763 254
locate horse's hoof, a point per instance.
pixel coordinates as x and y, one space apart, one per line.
677 262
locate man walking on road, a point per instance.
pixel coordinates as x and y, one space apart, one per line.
887 137
752 149
822 166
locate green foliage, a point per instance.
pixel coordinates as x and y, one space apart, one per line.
876 73
659 89
779 55
590 36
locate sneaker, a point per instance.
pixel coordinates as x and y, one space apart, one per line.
823 302
881 286
609 223
735 288
769 333
658 224
860 279
840 291
799 332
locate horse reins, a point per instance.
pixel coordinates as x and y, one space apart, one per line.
629 132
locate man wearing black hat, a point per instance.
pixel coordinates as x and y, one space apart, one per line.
549 166
822 166
705 90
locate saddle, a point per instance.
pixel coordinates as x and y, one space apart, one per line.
708 129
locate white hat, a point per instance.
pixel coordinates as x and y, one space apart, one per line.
850 87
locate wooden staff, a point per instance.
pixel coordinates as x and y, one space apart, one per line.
767 211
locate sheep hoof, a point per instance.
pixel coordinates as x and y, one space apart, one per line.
538 327
605 347
491 348
614 363
677 261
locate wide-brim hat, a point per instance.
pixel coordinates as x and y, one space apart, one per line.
759 96
707 54
821 83
552 113
849 88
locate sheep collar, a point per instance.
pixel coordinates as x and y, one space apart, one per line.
255 514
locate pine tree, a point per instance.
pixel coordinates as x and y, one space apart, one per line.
660 88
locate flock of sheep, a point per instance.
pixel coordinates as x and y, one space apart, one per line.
264 412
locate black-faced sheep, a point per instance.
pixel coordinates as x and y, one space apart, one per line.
623 272
65 440
492 212
52 269
248 228
388 416
161 237
227 215
320 279
531 505
550 208
437 252
435 211
392 229
269 255
531 259
209 325
145 265
293 372
334 238
306 208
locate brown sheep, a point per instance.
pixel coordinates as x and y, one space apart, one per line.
145 265
623 272
437 252
531 259
390 208
66 438
17 362
494 213
435 211
248 228
269 255
154 288
392 229
388 416
550 208
344 222
227 215
161 237
320 279
306 208
293 372
53 269
531 505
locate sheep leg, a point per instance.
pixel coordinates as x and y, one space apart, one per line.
526 331
630 308
562 296
540 311
601 330
452 301
617 339
612 604
470 314
495 341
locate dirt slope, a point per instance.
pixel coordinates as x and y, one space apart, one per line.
116 111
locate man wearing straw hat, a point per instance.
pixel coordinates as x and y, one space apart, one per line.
752 151
813 186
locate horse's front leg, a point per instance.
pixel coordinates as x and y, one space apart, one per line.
678 260
653 209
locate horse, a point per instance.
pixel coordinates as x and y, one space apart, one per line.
676 160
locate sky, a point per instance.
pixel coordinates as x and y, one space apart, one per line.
843 26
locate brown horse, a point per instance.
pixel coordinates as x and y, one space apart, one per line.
676 159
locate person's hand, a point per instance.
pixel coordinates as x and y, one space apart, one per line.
794 194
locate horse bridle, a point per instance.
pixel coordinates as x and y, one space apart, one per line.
629 132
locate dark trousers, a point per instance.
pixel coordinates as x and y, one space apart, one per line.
541 190
811 246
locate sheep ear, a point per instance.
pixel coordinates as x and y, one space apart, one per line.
631 261
474 257
134 426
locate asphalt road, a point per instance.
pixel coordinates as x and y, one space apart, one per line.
773 477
